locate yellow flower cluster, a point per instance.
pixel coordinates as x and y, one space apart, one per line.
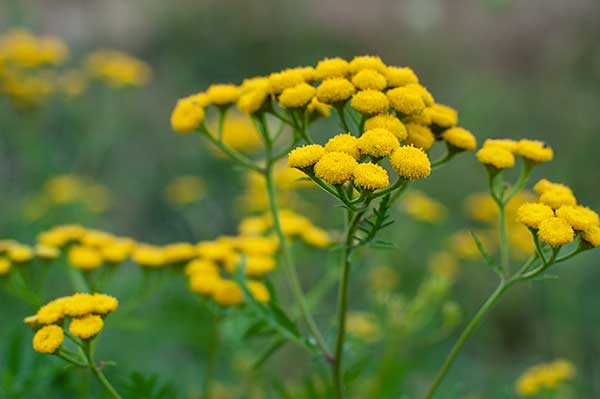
185 190
557 218
423 208
117 69
500 153
544 377
85 311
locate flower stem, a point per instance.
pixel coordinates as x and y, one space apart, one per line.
212 359
98 373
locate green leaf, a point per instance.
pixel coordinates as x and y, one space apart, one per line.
267 353
486 256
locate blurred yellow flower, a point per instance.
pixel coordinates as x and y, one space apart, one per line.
185 190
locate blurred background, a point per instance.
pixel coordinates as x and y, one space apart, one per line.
512 68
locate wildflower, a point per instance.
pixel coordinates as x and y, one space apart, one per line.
5 266
506 144
117 251
388 122
86 327
364 326
335 90
481 207
335 167
204 284
19 253
383 278
297 96
252 101
240 134
370 176
445 265
496 157
185 190
259 291
316 237
51 312
425 94
46 252
48 339
200 99
201 267
400 76
423 208
84 257
419 136
544 184
442 115
117 68
97 238
579 217
555 231
78 305
252 226
406 101
344 142
377 143
557 196
592 236
148 256
370 102
369 79
359 63
532 214
256 265
460 139
228 293
178 252
216 251
332 68
186 116
257 245
104 304
223 94
279 81
545 376
305 156
319 108
410 163
534 150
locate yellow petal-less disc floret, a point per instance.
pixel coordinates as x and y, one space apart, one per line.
534 150
425 94
178 252
186 116
297 96
148 256
344 142
532 214
316 237
419 136
305 156
406 100
52 312
369 79
252 101
318 108
332 68
78 305
204 284
442 115
370 102
507 144
388 122
400 76
279 81
86 327
410 163
335 167
555 231
201 267
20 253
496 157
370 176
84 257
592 236
223 94
557 196
377 143
46 252
228 293
361 62
48 339
460 139
579 217
335 90
104 304
5 266
259 291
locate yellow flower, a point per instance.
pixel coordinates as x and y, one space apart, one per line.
178 252
148 256
545 184
86 327
78 305
496 157
84 257
318 108
305 156
252 101
97 238
444 264
557 196
217 251
104 304
388 122
425 94
423 208
370 102
204 284
383 278
335 167
400 76
555 231
118 69
364 326
406 100
359 63
117 251
46 252
48 339
223 94
370 176
545 376
344 142
52 312
297 96
534 150
240 134
316 237
481 207
5 266
252 226
460 139
442 115
256 245
19 253
419 136
279 81
410 163
185 190
201 267
259 291
228 293
532 214
335 90
369 79
579 217
507 144
332 68
201 99
256 265
377 143
592 236
186 116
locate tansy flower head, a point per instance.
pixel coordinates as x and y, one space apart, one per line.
406 100
84 257
460 139
48 339
305 156
335 167
148 256
223 94
256 265
344 142
186 116
535 150
532 214
20 253
46 252
104 304
52 312
178 252
592 236
369 79
555 231
335 90
86 327
228 293
204 284
442 115
117 251
410 163
507 144
200 99
425 94
297 96
78 305
557 196
259 291
496 157
279 81
359 63
370 102
370 176
400 76
419 136
252 101
318 108
388 122
5 266
377 143
201 267
579 217
316 237
545 184
217 251
332 68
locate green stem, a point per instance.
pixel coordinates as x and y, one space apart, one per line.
233 154
504 254
212 359
340 111
98 373
439 162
